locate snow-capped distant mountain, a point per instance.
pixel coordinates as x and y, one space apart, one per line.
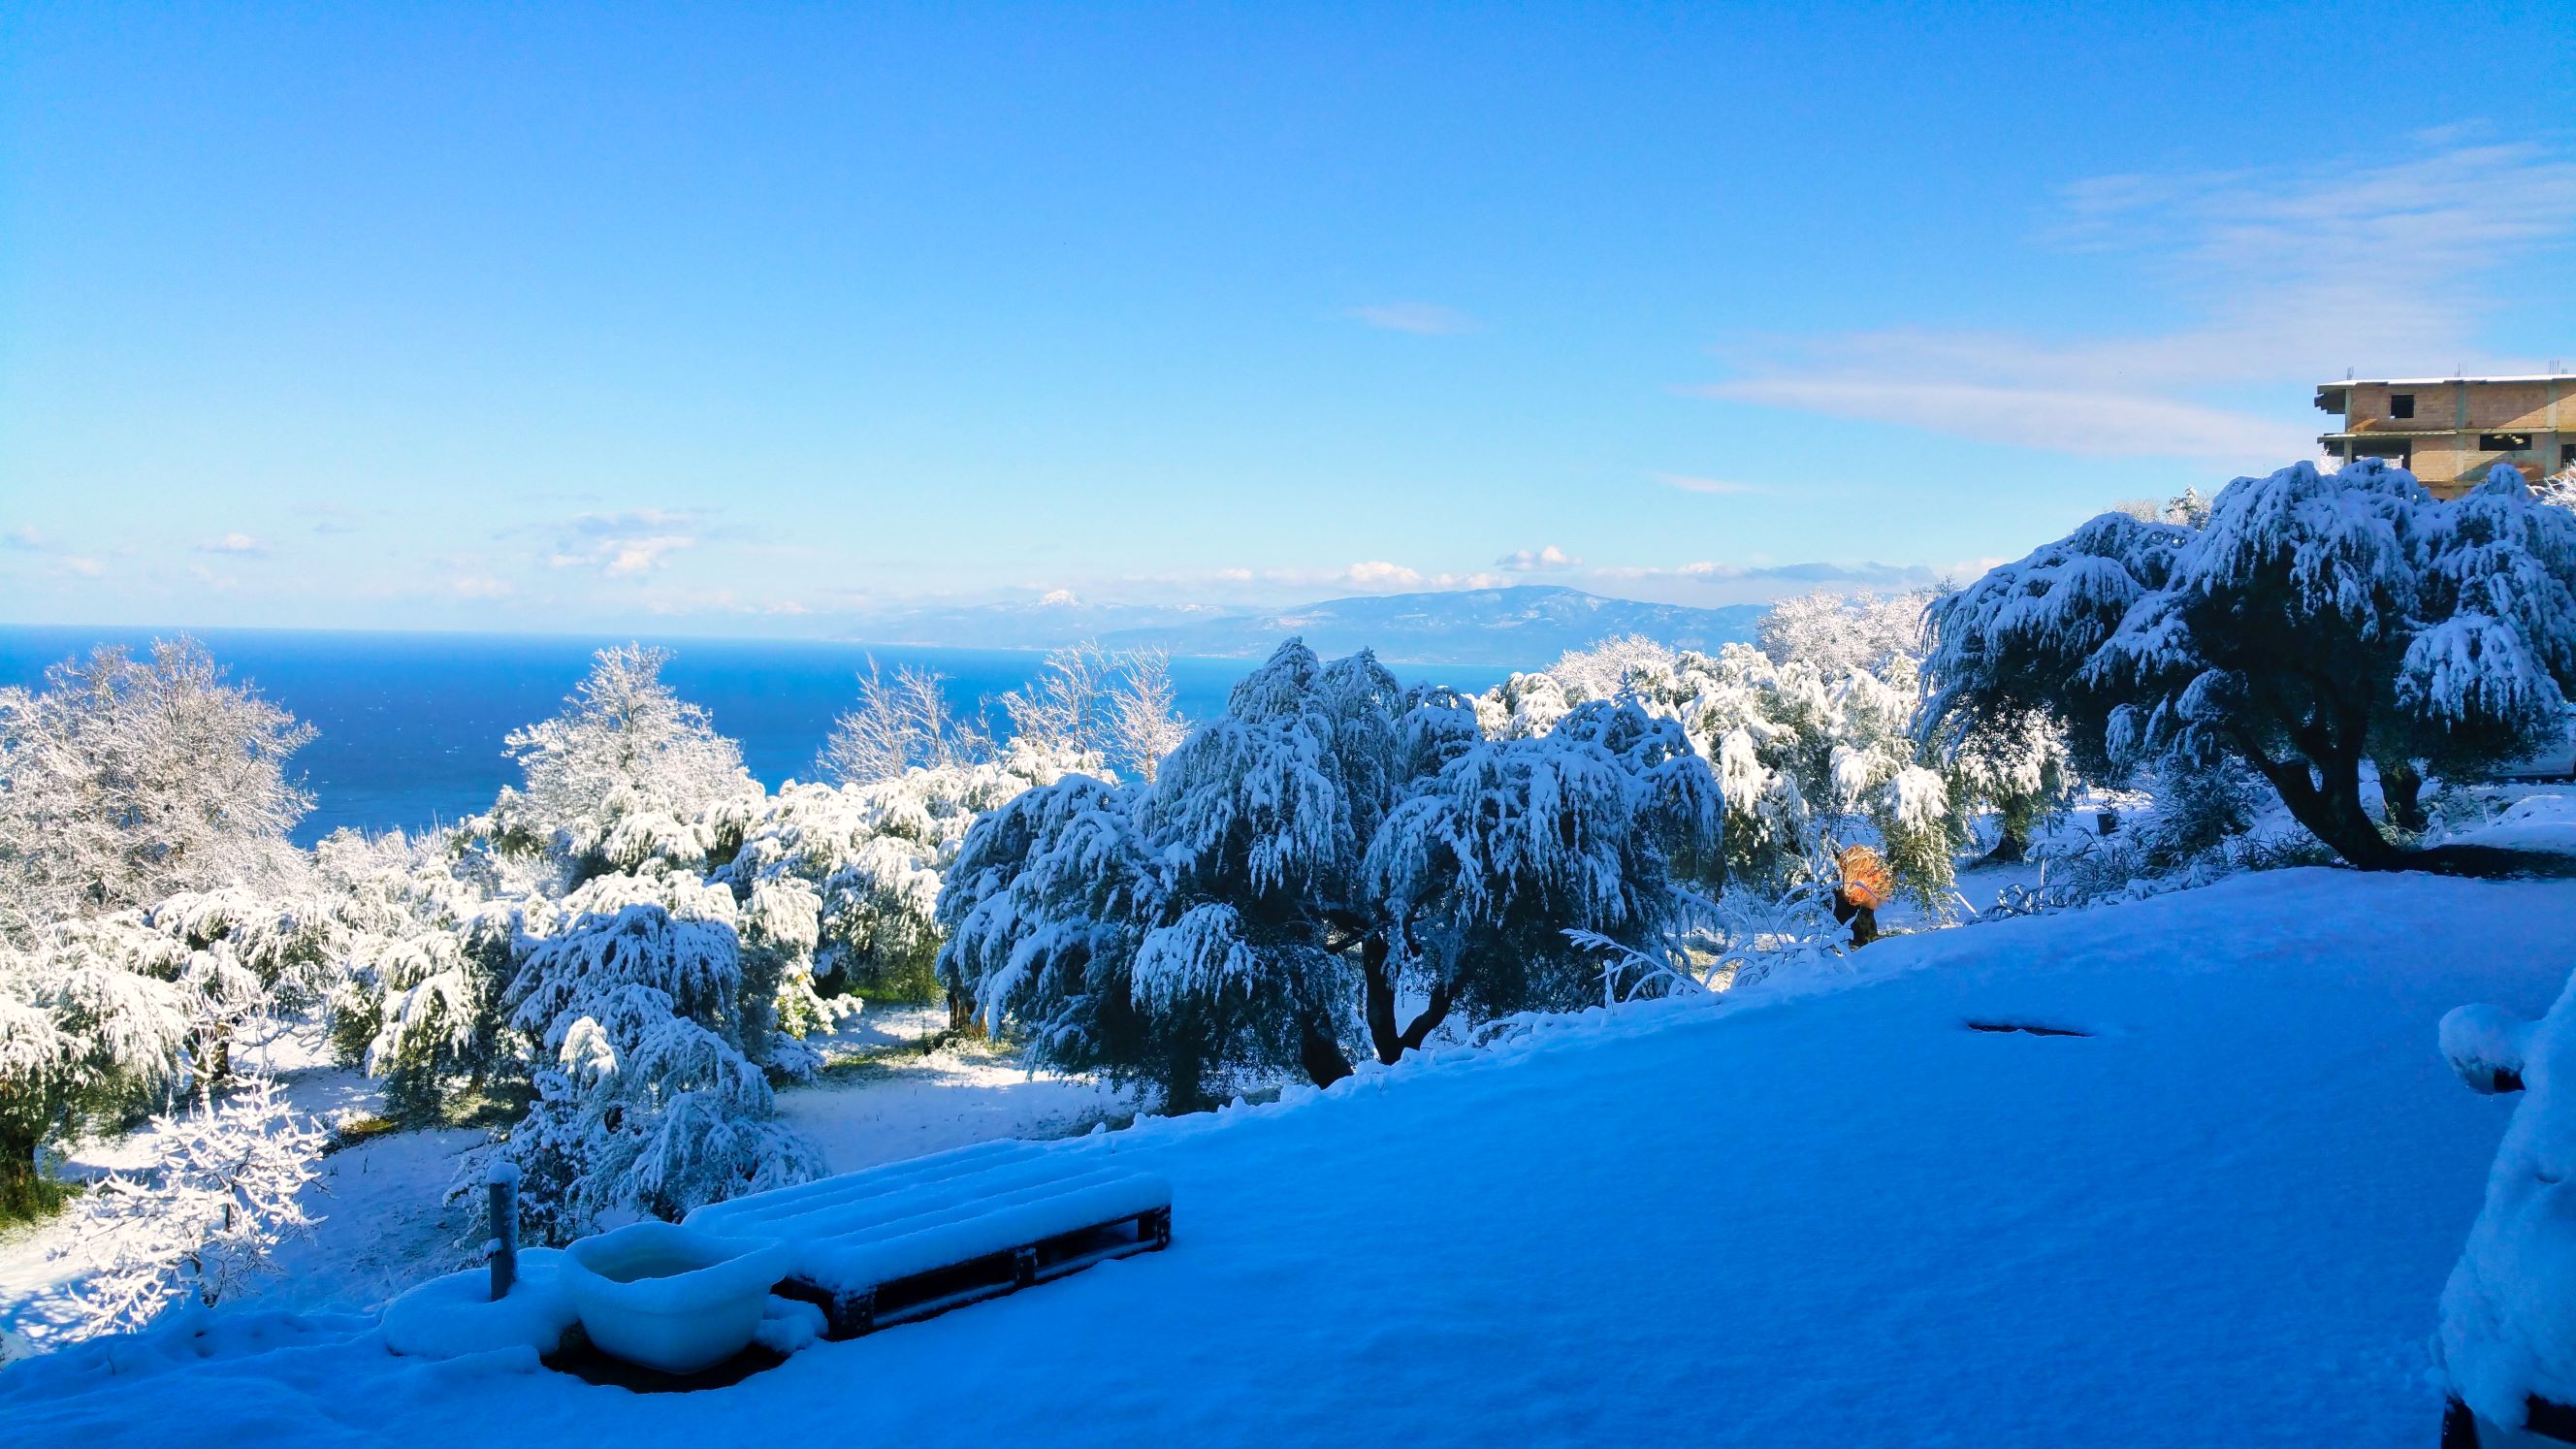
1523 627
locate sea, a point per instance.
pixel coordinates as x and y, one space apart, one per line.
411 724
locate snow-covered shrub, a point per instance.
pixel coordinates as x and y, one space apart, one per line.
206 1221
649 1101
1329 845
2315 623
2508 1334
125 781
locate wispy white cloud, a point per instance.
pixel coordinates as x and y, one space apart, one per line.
1692 483
23 537
2294 275
631 543
1536 560
480 586
1423 319
236 543
1811 575
1377 573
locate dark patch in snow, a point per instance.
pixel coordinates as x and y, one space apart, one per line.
583 1360
2032 1028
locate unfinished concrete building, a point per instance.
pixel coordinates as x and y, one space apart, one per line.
2448 431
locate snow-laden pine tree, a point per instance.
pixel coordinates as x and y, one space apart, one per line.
1226 922
2316 623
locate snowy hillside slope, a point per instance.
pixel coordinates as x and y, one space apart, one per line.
1796 1216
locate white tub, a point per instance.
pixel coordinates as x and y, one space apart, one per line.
669 1297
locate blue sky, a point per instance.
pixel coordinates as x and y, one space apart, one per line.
747 320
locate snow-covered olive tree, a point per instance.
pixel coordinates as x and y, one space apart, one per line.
1331 846
623 775
126 780
151 908
844 880
1811 736
2317 622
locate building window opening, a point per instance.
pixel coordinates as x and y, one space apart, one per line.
2504 442
2401 404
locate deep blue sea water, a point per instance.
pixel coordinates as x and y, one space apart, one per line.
411 724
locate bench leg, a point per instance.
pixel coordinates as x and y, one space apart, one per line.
853 1314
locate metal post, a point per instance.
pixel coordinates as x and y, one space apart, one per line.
502 1186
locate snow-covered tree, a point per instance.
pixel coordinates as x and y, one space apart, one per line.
1299 864
1812 736
898 724
206 1221
425 954
843 882
1597 827
1145 722
623 775
648 1101
108 1014
126 780
2315 623
1114 708
1842 634
91 1023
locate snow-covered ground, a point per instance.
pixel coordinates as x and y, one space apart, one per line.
1818 1213
385 1224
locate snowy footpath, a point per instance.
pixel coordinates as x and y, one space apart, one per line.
1825 1213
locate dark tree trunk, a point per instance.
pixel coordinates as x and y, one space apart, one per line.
1320 1056
961 1014
1377 998
2327 800
24 1192
1434 1012
2401 789
1378 1005
2010 848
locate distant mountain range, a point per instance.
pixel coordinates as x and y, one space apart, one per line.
1515 628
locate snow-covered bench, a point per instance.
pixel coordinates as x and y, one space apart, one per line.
912 1239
